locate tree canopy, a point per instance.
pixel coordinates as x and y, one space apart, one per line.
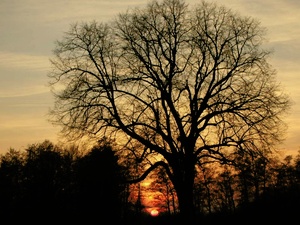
177 85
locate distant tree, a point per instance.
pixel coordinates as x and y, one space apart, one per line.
101 184
205 187
188 85
167 197
44 180
251 171
11 177
48 182
226 184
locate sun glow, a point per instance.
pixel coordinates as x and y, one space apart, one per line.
154 212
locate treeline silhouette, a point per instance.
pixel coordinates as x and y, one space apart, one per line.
46 184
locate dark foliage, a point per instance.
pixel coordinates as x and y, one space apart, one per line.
47 185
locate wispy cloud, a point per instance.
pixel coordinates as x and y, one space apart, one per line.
23 61
23 74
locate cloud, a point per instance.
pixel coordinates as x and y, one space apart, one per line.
36 11
23 74
24 61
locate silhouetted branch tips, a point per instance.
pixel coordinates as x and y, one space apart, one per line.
193 84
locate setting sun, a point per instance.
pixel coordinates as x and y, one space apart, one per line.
154 212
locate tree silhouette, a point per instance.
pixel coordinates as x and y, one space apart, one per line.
101 184
47 183
46 175
11 189
187 85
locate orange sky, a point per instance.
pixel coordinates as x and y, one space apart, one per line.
151 199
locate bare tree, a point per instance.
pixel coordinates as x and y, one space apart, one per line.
185 83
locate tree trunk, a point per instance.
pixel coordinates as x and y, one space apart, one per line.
184 184
186 206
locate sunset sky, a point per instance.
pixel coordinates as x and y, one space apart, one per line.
29 29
